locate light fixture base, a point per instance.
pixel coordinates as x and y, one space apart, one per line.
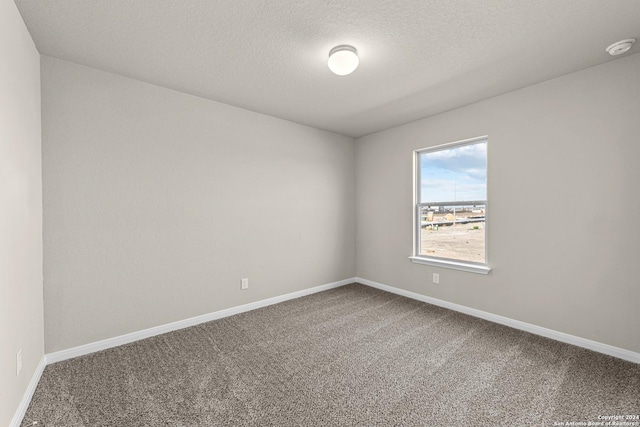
342 47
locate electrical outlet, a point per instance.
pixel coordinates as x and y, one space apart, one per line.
436 278
244 283
18 362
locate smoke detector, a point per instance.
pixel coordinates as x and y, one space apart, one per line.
618 48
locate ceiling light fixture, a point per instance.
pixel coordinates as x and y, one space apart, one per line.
343 59
618 48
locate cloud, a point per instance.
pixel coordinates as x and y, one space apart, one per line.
448 190
454 174
480 174
468 159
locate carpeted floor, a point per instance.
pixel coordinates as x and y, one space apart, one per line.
351 356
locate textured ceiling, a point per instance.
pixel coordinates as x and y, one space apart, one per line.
417 57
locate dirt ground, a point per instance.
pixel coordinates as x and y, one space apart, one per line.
459 241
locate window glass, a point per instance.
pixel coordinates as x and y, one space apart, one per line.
452 202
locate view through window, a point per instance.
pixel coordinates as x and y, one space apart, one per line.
451 208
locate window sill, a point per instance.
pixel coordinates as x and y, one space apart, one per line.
455 265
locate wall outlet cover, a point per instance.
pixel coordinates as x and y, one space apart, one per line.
18 362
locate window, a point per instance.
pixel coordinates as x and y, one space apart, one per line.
451 206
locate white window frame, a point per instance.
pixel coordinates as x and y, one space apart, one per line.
456 264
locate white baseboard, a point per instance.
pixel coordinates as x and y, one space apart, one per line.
82 350
538 330
162 329
28 394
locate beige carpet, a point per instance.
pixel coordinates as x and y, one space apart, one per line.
351 356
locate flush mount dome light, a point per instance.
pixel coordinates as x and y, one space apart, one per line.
618 48
343 59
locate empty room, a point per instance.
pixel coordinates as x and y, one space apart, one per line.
319 213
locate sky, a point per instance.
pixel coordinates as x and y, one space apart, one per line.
456 174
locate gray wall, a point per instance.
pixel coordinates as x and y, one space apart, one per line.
20 210
157 203
564 237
